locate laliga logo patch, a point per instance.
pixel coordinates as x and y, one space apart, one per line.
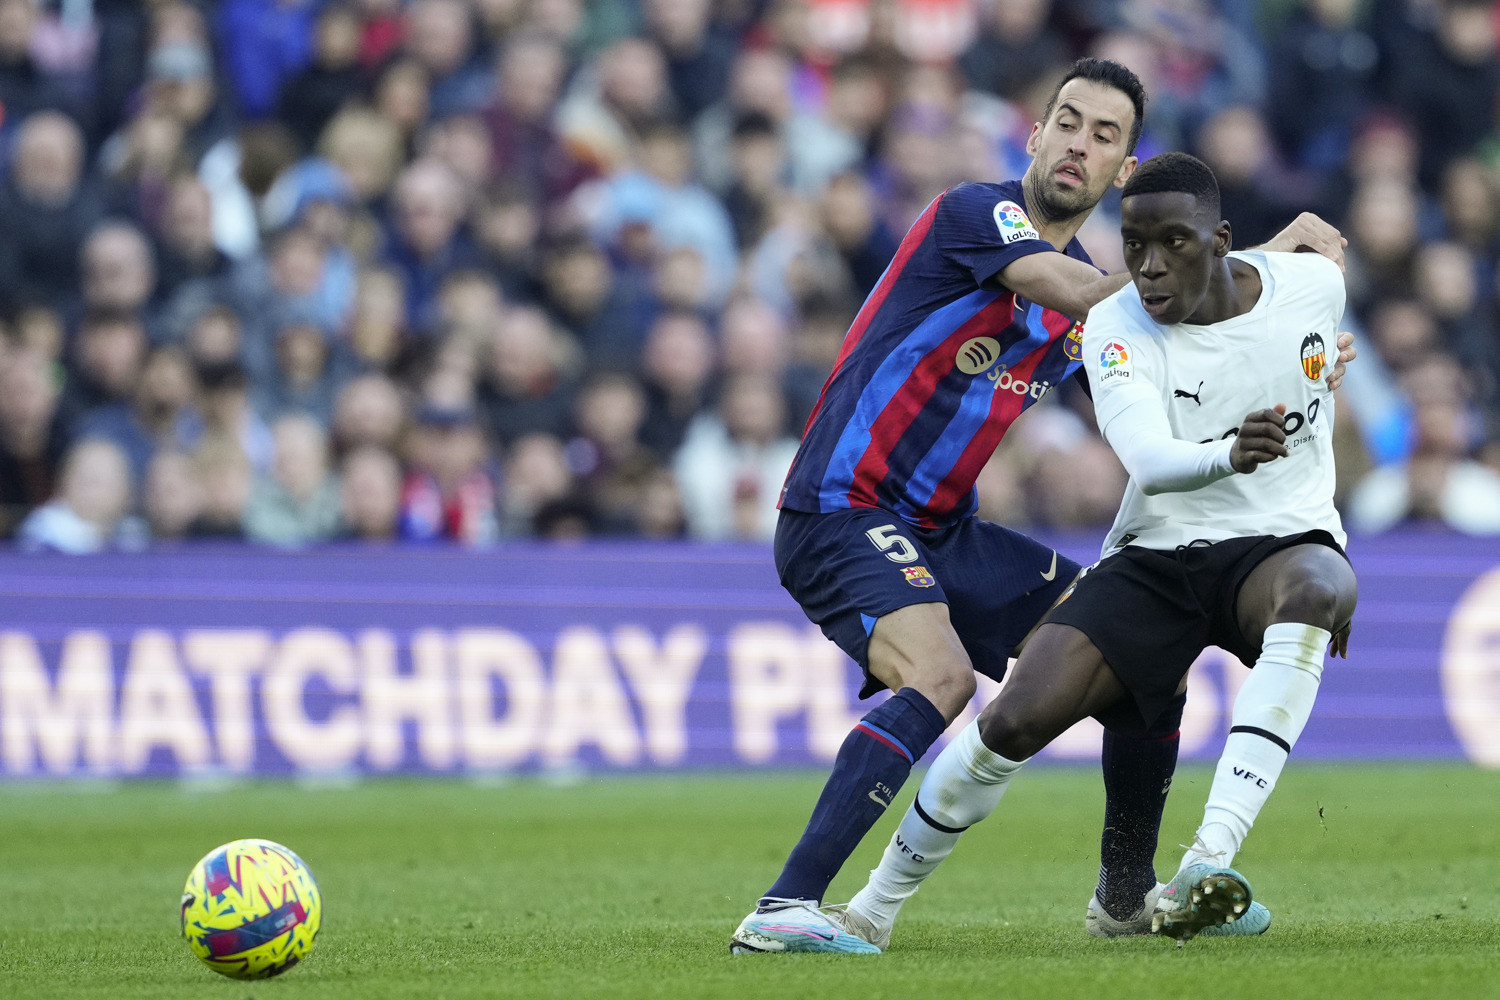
1114 361
974 356
1073 346
918 576
1314 356
1013 224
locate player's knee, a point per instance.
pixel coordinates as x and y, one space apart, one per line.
948 685
1008 728
1323 599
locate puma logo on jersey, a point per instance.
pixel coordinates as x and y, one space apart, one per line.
1184 394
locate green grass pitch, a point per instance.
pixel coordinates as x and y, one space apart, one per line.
1383 881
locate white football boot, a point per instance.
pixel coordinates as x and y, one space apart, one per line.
796 925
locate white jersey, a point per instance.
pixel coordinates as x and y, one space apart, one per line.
1207 379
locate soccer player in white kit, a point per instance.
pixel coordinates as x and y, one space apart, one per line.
1227 536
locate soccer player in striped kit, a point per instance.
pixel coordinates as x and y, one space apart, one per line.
972 323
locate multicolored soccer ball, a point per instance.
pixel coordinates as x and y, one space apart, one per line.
251 909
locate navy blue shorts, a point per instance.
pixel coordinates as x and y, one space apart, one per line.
849 567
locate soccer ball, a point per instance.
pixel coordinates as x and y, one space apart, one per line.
251 909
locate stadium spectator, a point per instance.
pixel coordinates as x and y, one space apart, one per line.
370 495
263 43
47 207
332 78
307 374
448 495
1016 45
27 86
91 509
118 273
172 497
369 413
601 313
605 453
377 326
105 365
228 480
160 414
228 416
677 366
32 434
439 35
526 386
298 503
732 463
1323 80
536 474
425 242
528 147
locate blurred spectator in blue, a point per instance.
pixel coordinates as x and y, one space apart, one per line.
118 273
733 461
581 291
425 240
448 494
332 79
370 495
439 35
661 193
316 197
307 373
47 207
263 43
526 385
161 412
189 263
32 434
298 503
758 175
529 149
857 232
181 84
678 365
1443 73
1207 61
104 364
229 417
698 56
91 509
1016 46
172 497
1323 80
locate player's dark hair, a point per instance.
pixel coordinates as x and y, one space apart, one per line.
1110 74
1176 172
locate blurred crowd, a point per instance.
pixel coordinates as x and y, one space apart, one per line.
304 270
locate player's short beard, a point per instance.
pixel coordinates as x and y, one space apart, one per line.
1055 205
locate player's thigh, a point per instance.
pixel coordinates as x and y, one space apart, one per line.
863 576
1060 679
1000 585
1140 609
1304 581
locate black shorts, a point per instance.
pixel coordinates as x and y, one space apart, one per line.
848 567
1150 612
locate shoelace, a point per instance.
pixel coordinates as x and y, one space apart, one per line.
1201 849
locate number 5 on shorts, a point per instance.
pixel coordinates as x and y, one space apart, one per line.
895 546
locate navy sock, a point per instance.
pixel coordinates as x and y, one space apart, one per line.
1137 775
870 768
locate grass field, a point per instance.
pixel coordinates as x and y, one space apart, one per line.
1383 881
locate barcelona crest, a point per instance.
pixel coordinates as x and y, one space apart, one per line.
1073 346
1314 357
918 576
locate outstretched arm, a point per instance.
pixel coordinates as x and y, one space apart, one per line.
1309 234
1060 283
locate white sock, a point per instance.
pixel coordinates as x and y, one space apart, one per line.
1269 714
962 787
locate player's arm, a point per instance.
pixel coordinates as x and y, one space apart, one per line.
1058 282
1161 463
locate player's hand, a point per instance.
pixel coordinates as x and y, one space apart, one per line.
1347 353
1339 644
1262 438
1310 233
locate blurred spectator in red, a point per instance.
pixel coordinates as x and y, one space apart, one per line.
370 495
32 434
381 33
91 510
448 494
332 79
733 461
47 207
529 75
298 503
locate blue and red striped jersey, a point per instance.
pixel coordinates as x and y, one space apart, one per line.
937 365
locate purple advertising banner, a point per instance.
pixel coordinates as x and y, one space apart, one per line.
222 661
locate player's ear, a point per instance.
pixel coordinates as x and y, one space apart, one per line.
1034 139
1223 239
1126 169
